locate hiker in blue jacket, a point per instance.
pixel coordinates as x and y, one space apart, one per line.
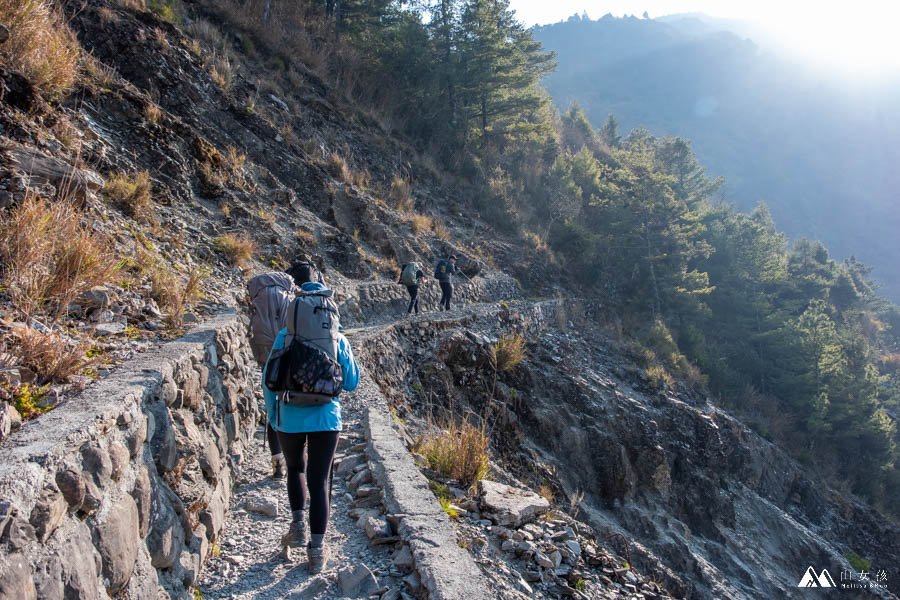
317 429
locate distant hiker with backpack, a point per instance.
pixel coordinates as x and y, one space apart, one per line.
270 295
442 272
412 276
310 364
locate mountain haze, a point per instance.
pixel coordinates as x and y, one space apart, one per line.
818 148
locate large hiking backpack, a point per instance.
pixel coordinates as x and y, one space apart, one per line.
442 270
306 371
270 294
408 275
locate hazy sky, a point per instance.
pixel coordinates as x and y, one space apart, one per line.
859 34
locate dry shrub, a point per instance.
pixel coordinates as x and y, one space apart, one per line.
338 167
508 352
458 450
52 358
236 248
546 492
132 193
152 113
235 159
98 76
440 231
175 293
400 194
209 33
420 223
221 71
67 134
361 179
306 238
49 257
41 46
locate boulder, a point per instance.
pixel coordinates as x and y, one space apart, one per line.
141 495
262 506
117 540
510 506
403 560
164 541
48 513
357 581
16 579
10 419
349 464
72 573
375 527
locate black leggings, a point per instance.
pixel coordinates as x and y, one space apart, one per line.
321 449
446 294
272 436
413 298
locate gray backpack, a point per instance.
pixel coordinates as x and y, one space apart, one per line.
408 275
270 295
306 371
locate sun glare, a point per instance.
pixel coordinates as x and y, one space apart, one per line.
857 37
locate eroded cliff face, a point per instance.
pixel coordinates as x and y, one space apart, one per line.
703 504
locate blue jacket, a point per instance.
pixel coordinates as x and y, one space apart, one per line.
303 419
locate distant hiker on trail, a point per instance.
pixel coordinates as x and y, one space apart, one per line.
442 272
310 363
412 276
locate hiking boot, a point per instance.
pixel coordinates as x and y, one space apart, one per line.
295 536
317 558
279 467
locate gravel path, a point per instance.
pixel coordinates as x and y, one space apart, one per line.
247 562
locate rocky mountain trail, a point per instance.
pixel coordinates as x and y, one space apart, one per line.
248 561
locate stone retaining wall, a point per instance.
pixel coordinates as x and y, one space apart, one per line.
122 490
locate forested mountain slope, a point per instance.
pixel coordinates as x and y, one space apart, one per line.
818 146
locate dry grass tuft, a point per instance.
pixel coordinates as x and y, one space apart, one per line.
458 450
361 179
508 352
98 76
235 160
221 71
236 248
306 238
440 231
420 223
546 492
152 113
132 193
400 194
338 167
41 46
52 358
175 293
49 257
